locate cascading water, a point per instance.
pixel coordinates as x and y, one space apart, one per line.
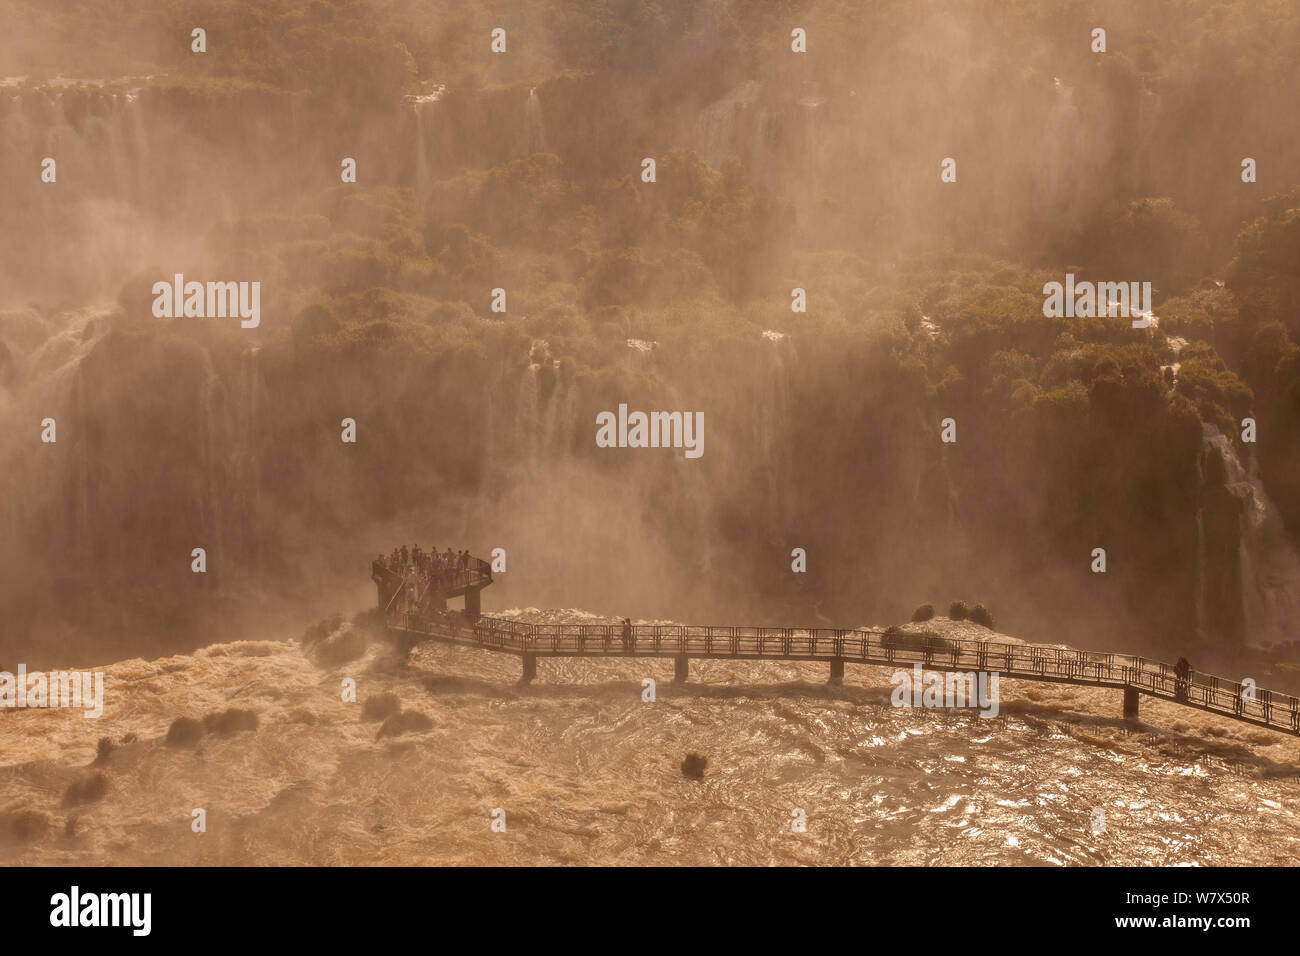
1202 569
1062 126
1268 563
771 423
534 124
210 509
1147 119
812 107
720 124
422 105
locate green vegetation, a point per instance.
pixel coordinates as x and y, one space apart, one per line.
921 306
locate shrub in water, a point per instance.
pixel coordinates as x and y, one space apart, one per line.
346 645
923 613
184 732
86 790
982 616
380 706
958 610
693 766
404 722
23 826
322 629
899 639
230 721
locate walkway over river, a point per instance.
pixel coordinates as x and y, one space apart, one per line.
424 616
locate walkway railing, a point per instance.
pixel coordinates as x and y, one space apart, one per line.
477 573
888 648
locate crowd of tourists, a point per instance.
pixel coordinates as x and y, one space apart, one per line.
422 570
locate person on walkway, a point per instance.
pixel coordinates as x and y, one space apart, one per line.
627 634
1182 676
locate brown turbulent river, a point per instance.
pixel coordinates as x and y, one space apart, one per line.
588 773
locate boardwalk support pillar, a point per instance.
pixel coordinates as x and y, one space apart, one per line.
681 668
837 671
472 605
1130 702
530 669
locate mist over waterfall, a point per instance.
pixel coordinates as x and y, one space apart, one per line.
777 359
477 426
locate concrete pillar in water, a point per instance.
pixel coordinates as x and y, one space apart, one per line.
530 668
837 671
681 668
472 605
1130 702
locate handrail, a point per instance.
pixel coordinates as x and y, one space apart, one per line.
890 647
871 646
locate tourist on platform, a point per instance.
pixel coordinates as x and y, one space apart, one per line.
1182 677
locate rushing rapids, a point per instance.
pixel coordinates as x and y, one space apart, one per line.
587 771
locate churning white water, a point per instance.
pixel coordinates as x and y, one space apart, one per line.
587 771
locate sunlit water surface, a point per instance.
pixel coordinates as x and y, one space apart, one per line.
587 772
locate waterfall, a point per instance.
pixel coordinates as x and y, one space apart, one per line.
1061 138
250 476
719 127
215 461
141 164
425 107
1147 119
534 124
423 178
81 475
811 108
771 425
1201 576
1269 565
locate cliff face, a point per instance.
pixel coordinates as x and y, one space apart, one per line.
168 441
476 428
